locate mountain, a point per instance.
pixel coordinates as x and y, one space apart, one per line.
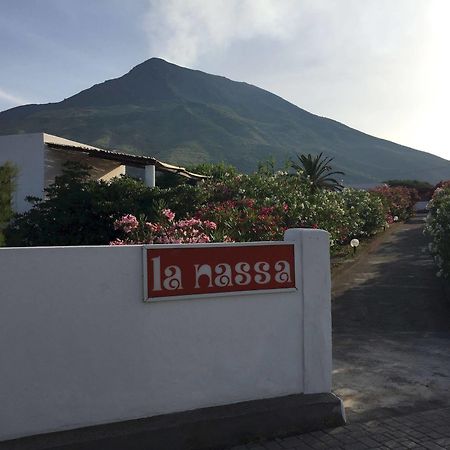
186 116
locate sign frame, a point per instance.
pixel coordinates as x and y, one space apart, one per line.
147 299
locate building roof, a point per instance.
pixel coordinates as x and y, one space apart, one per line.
127 159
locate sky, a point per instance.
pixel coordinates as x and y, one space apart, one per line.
380 66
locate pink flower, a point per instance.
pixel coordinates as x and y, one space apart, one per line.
190 230
210 225
266 210
203 238
154 227
127 223
117 242
168 214
188 223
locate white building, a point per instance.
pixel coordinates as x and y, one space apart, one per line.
39 158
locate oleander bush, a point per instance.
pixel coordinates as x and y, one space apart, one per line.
226 207
166 230
438 228
398 201
365 211
261 206
424 189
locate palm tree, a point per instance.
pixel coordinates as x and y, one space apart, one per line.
317 170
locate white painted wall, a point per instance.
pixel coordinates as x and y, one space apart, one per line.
26 152
150 176
79 347
313 266
38 164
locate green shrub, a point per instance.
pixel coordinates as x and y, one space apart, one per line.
398 201
365 212
438 228
262 206
245 207
80 211
217 171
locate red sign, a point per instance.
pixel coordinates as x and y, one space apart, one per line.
186 270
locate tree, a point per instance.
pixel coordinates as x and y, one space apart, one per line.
317 171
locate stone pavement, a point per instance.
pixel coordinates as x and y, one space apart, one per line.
422 430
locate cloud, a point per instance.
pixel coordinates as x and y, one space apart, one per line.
11 99
184 30
313 31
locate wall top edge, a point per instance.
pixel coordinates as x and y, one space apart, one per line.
150 246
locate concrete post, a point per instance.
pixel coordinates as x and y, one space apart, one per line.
312 260
149 176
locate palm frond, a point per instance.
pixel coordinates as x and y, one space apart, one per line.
317 169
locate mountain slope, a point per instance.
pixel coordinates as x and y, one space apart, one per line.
186 116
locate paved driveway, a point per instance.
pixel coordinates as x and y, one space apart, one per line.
391 329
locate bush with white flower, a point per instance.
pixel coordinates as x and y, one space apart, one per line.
438 228
260 207
226 207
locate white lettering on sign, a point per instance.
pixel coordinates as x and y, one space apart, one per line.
173 278
225 275
204 269
283 272
156 273
172 275
243 276
262 269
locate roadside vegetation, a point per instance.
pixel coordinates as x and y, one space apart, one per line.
438 228
229 206
423 188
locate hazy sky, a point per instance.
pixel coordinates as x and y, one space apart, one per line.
381 66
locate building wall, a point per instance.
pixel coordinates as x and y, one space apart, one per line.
38 165
26 152
80 347
102 169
